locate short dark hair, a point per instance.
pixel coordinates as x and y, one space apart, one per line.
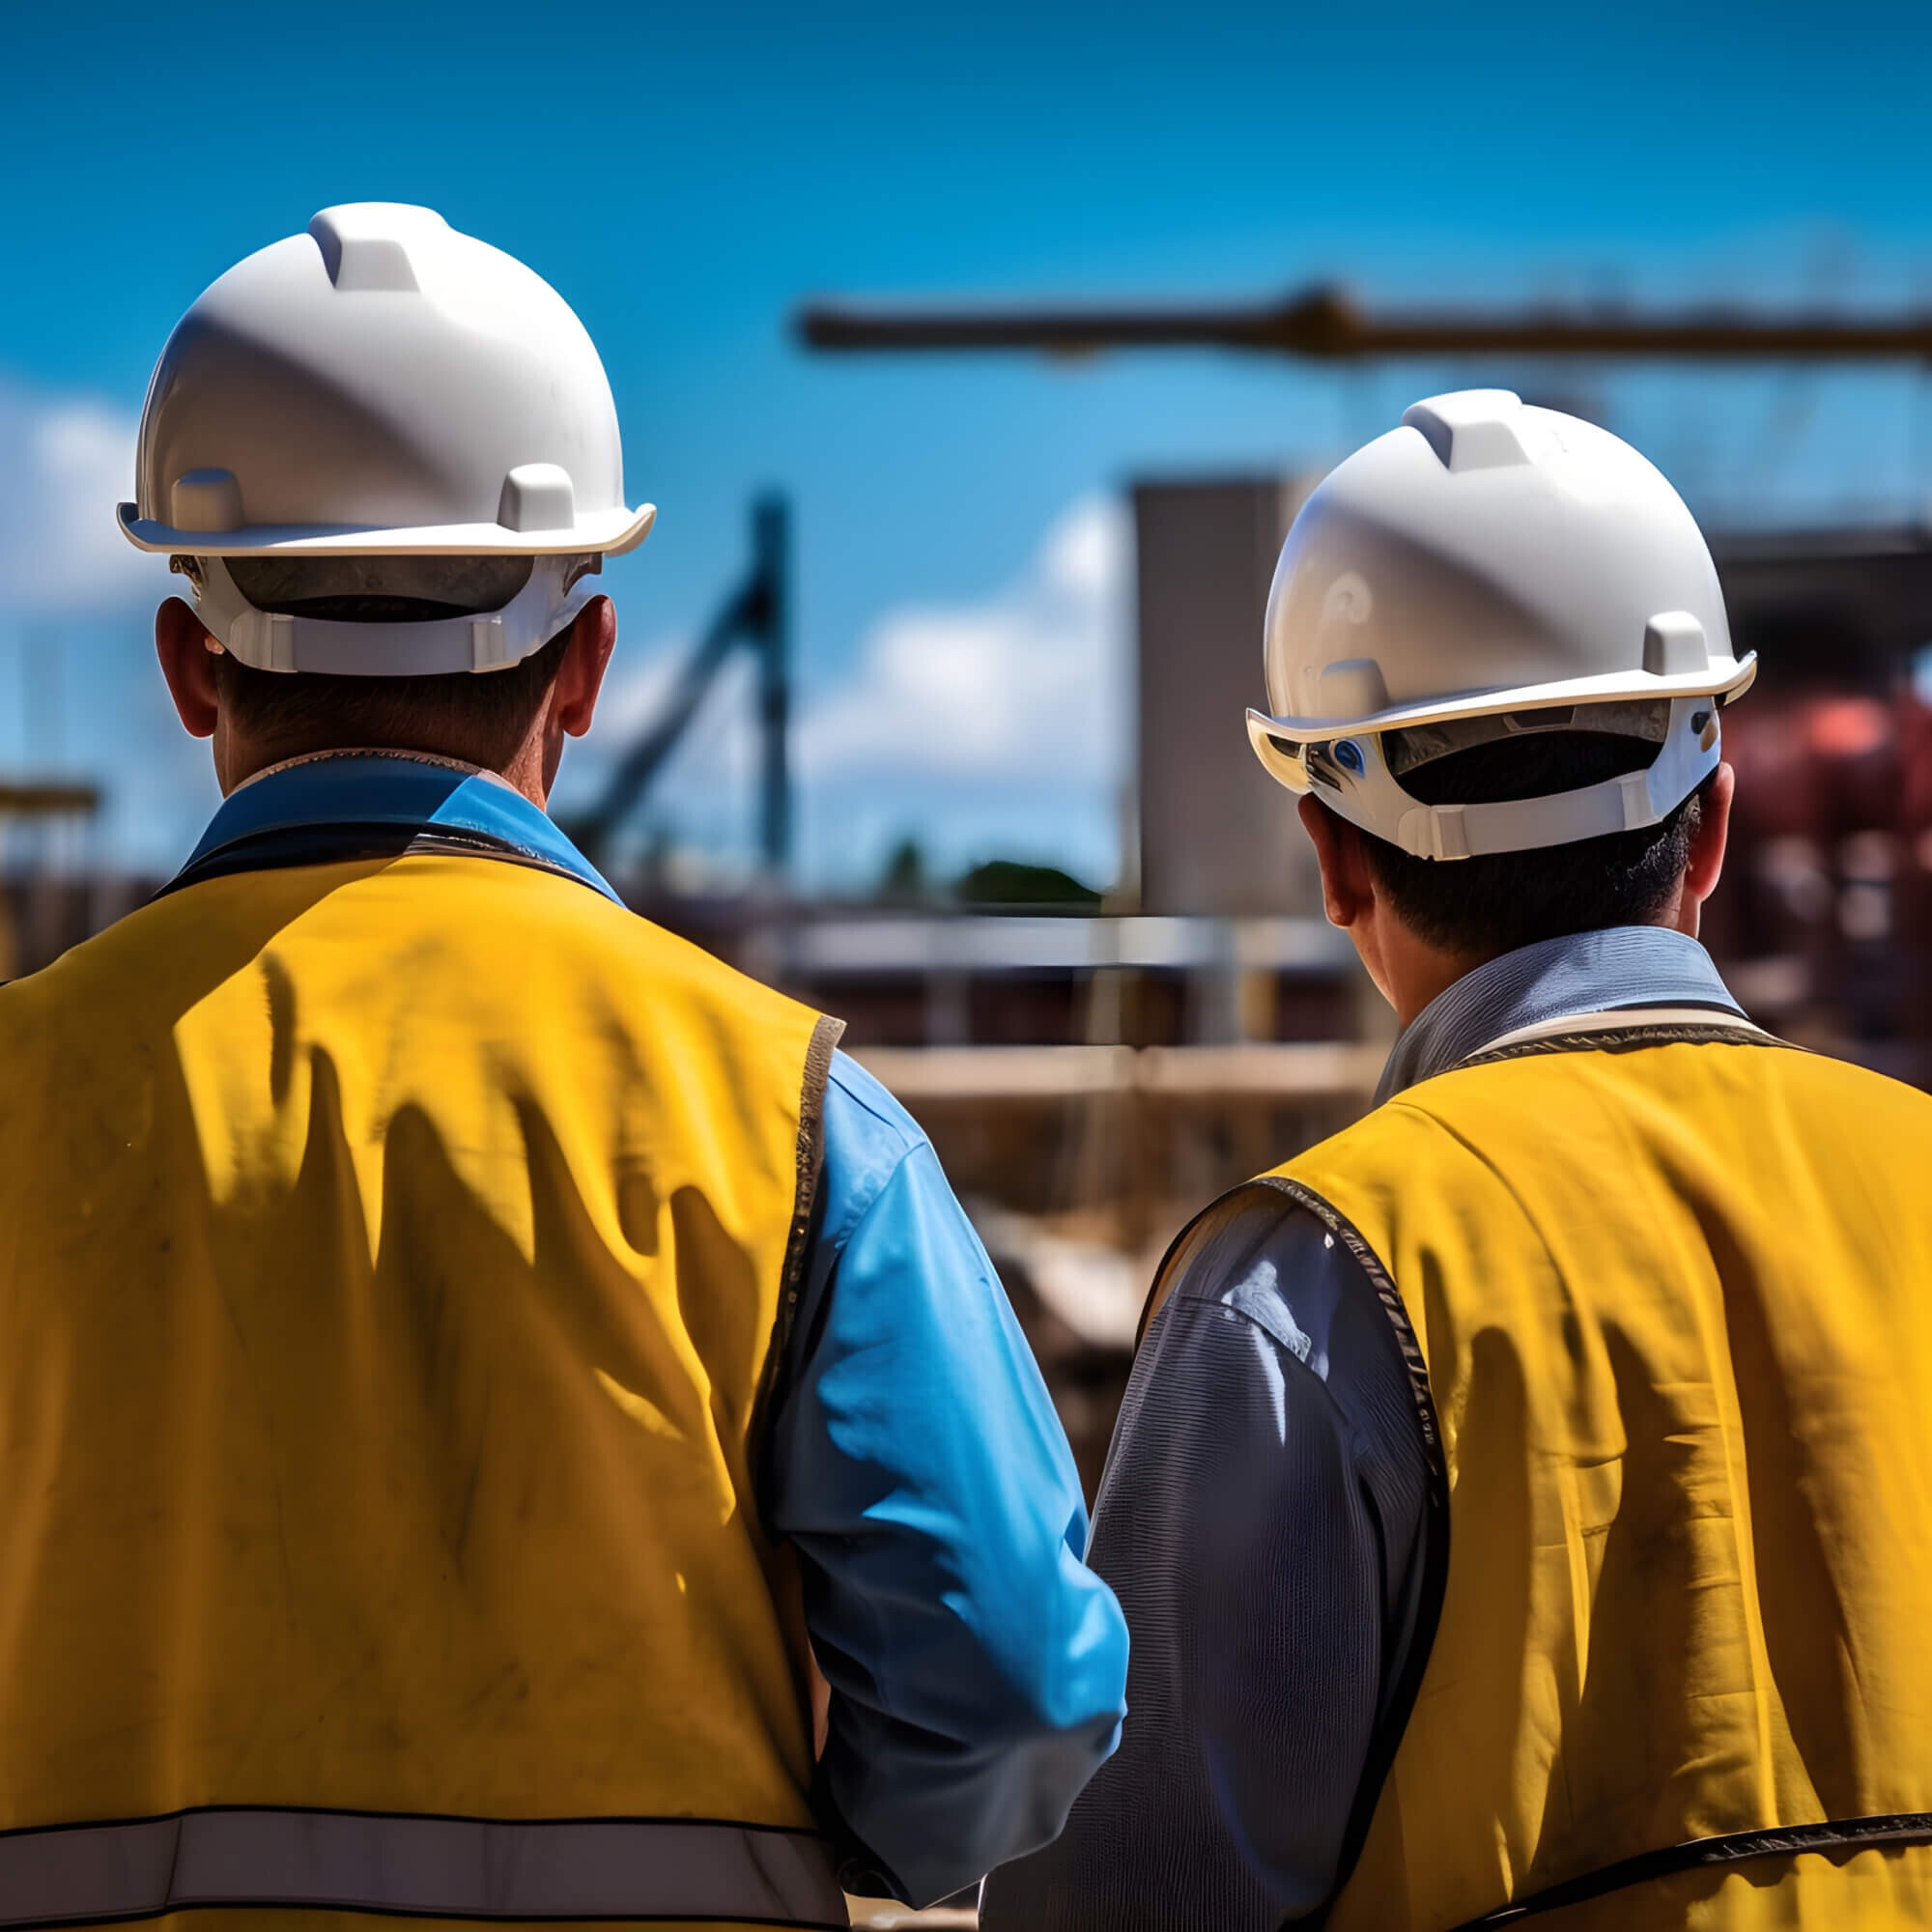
1497 902
481 717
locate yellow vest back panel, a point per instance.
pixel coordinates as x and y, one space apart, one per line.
390 1256
1673 1304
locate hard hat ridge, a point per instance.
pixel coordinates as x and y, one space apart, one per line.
1487 559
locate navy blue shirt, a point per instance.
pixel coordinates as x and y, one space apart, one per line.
1264 1521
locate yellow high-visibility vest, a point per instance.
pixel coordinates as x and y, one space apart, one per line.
1665 1294
392 1257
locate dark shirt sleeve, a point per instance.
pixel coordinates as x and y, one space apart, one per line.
1261 1520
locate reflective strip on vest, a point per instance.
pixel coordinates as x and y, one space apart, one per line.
1788 1841
438 1867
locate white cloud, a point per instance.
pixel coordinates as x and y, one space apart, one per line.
993 726
1029 684
65 463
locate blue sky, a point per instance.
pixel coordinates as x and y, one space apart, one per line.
685 175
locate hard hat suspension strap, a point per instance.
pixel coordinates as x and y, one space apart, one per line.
279 640
1362 789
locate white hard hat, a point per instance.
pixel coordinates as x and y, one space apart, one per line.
1477 572
383 386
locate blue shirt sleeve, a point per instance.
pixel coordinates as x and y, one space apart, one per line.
976 1666
1262 1519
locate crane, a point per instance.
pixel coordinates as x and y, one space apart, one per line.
1325 325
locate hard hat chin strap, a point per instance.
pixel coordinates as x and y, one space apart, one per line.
1374 799
486 641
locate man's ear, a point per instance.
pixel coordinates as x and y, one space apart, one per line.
593 637
183 644
1347 890
1707 847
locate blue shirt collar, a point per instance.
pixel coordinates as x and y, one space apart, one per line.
1581 973
394 788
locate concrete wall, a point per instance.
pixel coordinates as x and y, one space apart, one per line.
1217 834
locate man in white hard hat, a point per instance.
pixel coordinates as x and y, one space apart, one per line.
460 1346
1522 1502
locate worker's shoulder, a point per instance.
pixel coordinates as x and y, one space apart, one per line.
443 912
1727 1067
1850 1110
26 1000
1383 1137
1865 1087
869 1140
1468 1125
869 1109
579 927
1441 1132
671 955
1274 1258
1241 1239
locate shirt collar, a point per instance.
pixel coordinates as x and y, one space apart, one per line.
383 788
1580 972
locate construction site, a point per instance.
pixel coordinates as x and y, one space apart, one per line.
504 1421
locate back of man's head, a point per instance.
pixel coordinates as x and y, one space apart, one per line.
483 719
1496 902
1497 648
386 458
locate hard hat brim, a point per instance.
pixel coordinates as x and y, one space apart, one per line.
601 532
1722 678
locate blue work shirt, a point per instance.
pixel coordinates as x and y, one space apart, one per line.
1264 1521
914 1461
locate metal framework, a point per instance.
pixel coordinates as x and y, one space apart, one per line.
756 616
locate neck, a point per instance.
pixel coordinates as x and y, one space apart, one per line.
1411 973
530 772
235 764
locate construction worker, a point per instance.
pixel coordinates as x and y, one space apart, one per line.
458 1343
1523 1502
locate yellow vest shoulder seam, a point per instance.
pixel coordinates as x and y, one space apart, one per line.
825 1037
